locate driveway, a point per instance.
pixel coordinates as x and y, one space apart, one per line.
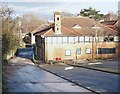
23 76
95 80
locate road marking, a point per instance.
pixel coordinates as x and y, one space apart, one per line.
88 87
109 59
68 68
94 63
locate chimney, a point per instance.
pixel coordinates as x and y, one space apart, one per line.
57 21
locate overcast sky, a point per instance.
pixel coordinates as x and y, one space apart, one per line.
45 9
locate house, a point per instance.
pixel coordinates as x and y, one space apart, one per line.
29 38
76 38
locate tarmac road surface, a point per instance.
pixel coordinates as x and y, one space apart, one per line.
23 76
95 80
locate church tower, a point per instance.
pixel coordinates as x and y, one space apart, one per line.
57 20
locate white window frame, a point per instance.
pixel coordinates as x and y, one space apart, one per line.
87 39
76 39
91 39
65 39
88 51
71 39
81 39
54 40
78 49
49 40
59 39
116 38
67 52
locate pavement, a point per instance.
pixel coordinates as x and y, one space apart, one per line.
97 81
110 66
22 75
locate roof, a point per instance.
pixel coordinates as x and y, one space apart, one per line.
50 32
116 26
86 24
112 24
109 22
81 21
67 29
39 28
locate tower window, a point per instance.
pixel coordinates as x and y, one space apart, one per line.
57 18
57 28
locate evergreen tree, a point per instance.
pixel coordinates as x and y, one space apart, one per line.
91 13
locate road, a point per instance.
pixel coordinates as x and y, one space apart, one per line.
23 76
109 65
94 80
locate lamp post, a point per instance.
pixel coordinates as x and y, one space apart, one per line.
96 29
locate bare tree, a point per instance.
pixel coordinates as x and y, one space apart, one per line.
30 22
8 29
97 36
67 14
110 16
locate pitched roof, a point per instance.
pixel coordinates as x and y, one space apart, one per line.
116 26
50 32
44 30
86 24
67 29
112 24
109 22
81 21
39 28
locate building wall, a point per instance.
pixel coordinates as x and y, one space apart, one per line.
32 39
53 51
47 50
40 48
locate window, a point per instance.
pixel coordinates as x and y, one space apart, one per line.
109 39
91 39
59 39
68 52
81 39
54 39
87 39
78 51
57 18
76 39
64 39
87 51
76 26
116 38
106 50
70 39
49 40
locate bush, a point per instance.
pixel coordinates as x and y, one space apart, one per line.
10 43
